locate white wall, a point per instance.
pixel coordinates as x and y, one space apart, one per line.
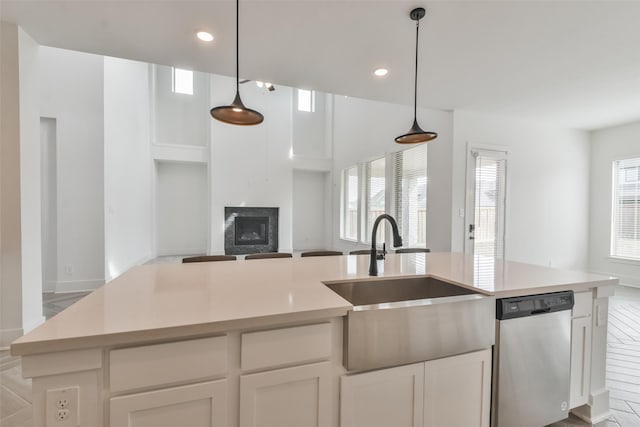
608 145
364 130
72 92
180 119
250 165
30 183
309 128
547 209
310 210
10 233
127 165
182 208
20 249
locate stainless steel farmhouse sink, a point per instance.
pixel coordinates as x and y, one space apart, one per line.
404 320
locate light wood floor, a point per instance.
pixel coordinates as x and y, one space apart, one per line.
623 365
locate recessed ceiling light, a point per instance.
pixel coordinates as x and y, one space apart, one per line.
204 36
380 72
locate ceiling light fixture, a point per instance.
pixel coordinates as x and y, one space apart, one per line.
380 72
416 134
237 113
204 36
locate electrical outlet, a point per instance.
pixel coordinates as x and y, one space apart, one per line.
62 414
63 407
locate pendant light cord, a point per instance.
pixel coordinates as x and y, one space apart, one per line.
238 48
415 81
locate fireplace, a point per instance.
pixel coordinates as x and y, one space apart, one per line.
250 230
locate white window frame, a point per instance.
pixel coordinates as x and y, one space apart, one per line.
176 86
393 206
365 236
614 254
344 202
309 107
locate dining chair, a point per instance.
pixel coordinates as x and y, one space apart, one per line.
207 258
268 255
320 253
412 250
363 252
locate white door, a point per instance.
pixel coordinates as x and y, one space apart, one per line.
457 391
485 203
289 397
196 405
384 398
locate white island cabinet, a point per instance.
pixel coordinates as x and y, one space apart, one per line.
260 343
454 391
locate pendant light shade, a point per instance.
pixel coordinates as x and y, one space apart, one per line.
416 135
237 113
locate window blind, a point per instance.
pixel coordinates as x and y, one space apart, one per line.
490 171
625 224
375 202
350 202
410 195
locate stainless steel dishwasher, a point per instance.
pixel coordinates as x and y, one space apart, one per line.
531 360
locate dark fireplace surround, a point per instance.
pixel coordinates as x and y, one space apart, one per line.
250 230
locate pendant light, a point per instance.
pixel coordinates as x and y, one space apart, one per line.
416 134
237 113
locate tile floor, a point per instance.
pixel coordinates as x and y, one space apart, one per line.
623 365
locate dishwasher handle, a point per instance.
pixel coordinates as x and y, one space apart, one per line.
541 311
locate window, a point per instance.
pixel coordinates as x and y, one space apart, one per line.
182 81
625 223
350 202
375 201
306 100
410 195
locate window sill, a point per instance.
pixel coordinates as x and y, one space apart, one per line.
620 260
344 239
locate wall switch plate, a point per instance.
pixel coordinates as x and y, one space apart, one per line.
62 407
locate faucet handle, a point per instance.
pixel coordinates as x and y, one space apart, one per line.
384 252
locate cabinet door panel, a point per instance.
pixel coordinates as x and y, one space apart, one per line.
291 397
580 361
389 397
458 391
197 405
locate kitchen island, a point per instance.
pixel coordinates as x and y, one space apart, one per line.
251 343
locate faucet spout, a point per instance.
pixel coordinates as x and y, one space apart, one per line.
397 241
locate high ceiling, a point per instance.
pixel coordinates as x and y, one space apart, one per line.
573 63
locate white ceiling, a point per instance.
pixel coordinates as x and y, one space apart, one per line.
574 63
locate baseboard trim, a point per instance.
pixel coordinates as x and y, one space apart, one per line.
181 252
78 285
140 261
597 410
7 336
623 280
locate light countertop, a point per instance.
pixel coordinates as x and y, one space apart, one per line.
171 301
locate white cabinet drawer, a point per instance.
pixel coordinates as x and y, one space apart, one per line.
285 346
161 364
582 304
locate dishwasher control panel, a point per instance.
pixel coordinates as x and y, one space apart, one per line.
531 305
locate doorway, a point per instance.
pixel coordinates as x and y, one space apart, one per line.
486 202
49 203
